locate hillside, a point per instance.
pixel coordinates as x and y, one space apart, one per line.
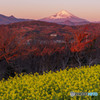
29 46
46 30
53 85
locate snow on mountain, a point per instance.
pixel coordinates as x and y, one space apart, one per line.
66 18
61 14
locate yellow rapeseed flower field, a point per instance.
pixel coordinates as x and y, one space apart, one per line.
53 85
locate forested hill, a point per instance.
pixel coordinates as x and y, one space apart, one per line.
36 46
45 29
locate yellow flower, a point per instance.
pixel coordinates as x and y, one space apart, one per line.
51 85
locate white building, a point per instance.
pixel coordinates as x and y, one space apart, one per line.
53 35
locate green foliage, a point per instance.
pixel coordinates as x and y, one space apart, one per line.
52 85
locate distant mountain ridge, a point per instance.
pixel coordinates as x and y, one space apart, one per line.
65 18
11 19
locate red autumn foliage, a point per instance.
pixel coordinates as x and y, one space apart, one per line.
13 43
80 40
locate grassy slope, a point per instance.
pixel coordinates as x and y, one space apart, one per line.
52 86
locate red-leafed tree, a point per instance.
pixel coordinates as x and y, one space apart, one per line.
13 45
79 42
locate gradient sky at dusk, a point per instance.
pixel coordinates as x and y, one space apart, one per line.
36 9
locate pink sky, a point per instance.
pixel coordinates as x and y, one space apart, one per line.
36 9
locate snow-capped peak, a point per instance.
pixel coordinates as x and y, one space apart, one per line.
64 12
63 17
61 14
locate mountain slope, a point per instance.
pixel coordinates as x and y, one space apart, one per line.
7 20
66 18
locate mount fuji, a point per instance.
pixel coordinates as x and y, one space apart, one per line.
65 18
